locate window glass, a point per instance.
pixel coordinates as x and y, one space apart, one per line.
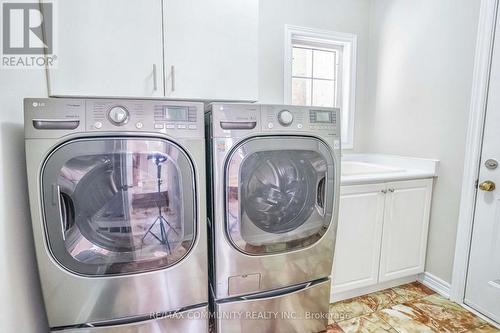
324 65
322 93
302 62
301 91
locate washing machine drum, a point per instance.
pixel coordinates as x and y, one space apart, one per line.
99 198
278 190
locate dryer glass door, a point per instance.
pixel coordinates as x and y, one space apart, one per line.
279 193
117 206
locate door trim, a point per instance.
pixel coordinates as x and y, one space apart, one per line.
475 129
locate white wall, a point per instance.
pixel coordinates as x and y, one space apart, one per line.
420 77
351 16
21 307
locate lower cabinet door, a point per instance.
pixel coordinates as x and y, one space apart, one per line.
406 223
359 233
296 309
193 320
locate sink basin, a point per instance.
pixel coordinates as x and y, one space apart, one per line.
354 168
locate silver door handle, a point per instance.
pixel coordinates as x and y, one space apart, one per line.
155 78
172 76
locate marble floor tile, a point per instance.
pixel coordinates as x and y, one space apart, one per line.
382 299
411 308
406 319
413 291
333 328
370 323
348 309
449 316
485 329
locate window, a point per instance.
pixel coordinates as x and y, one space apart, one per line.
320 71
315 79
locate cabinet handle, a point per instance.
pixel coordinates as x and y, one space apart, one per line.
172 76
391 190
384 191
155 78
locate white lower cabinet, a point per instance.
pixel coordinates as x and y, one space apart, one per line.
361 216
404 236
382 233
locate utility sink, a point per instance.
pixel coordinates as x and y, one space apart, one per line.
354 168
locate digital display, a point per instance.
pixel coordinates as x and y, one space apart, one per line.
322 116
176 113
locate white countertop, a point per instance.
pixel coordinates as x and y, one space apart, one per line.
377 168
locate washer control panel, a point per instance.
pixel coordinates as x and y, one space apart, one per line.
183 119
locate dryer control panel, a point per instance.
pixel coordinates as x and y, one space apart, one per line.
299 118
57 117
177 118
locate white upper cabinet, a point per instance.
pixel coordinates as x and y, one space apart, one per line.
108 48
406 222
211 49
361 216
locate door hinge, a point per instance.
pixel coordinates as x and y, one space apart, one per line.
476 183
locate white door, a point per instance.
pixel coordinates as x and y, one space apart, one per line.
211 49
406 222
108 48
357 249
483 278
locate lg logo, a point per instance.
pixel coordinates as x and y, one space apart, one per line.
27 28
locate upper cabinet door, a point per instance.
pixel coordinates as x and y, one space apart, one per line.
108 48
406 222
211 49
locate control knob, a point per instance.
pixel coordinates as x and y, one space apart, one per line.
285 117
118 115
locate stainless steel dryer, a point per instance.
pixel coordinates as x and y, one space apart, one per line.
275 185
117 195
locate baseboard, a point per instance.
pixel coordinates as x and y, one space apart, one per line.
438 285
335 297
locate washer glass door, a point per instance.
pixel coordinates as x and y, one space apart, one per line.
279 193
117 206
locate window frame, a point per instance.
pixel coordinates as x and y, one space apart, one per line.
347 71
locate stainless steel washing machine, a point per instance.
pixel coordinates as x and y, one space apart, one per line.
274 198
118 206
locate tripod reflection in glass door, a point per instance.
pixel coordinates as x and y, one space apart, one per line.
158 159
